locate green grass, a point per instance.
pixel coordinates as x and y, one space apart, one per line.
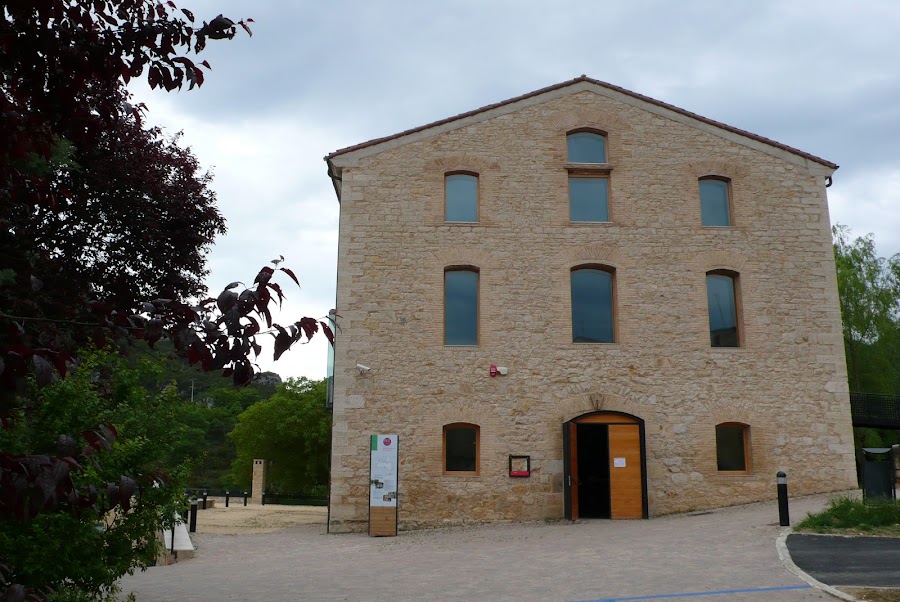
844 515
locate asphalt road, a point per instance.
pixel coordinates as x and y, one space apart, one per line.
848 561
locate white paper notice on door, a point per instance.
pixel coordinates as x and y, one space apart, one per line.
619 462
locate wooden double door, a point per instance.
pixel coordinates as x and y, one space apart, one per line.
605 473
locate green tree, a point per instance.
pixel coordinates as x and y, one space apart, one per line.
82 554
292 430
869 290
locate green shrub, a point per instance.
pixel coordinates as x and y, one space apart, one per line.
845 514
81 554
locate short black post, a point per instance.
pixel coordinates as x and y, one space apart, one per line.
172 541
263 498
204 499
784 518
245 498
227 493
193 523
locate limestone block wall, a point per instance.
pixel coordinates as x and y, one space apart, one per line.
787 381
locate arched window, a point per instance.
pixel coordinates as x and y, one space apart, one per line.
586 146
593 304
461 197
733 447
589 179
715 201
723 299
461 443
461 306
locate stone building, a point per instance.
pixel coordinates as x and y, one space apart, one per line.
656 290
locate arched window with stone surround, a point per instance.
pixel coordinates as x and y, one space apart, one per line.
461 197
593 304
715 201
724 305
461 305
586 146
733 447
461 448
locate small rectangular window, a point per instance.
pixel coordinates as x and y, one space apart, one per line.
715 206
732 447
460 307
461 448
588 199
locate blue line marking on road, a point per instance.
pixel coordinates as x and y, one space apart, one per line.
696 594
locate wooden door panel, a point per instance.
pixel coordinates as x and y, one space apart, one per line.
625 482
573 463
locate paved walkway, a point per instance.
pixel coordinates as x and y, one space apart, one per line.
729 551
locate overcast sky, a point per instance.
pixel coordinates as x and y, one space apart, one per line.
822 76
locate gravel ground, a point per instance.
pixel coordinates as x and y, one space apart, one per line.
253 519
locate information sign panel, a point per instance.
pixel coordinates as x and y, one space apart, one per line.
383 485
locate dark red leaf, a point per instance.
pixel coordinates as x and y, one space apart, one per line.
282 342
127 486
264 275
14 593
252 328
326 330
226 300
66 446
188 14
43 370
243 373
95 439
291 274
274 286
194 355
59 362
309 326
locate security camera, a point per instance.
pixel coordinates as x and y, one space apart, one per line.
362 368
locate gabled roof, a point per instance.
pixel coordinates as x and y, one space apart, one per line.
606 85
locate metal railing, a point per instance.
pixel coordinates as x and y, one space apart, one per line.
875 411
236 496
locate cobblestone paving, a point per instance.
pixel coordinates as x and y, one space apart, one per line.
723 551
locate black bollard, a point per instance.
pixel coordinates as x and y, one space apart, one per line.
204 499
784 518
193 523
227 493
263 499
245 498
172 541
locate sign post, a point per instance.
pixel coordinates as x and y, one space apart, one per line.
383 485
